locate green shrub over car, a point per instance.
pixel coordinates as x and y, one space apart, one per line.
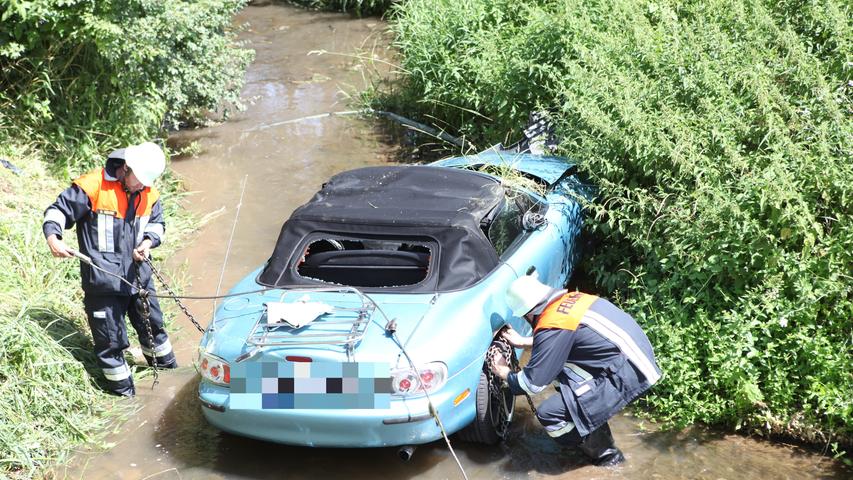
719 133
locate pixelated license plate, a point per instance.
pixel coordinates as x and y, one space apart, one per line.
300 385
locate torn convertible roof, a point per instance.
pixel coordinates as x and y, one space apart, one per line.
445 204
404 195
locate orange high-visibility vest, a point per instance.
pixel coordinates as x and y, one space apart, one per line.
566 312
109 197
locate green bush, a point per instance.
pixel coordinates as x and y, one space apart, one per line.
82 76
719 133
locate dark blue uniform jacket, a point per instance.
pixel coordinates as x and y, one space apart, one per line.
599 357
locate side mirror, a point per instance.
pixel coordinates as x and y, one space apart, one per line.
532 220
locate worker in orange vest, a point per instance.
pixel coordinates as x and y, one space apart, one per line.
597 354
119 220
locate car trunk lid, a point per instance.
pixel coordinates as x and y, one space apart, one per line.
354 329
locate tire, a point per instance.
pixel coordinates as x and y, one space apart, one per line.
494 414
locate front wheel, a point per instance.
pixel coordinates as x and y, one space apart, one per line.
495 403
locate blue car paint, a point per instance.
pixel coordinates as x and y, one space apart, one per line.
549 168
477 313
348 428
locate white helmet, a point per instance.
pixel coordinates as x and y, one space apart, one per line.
146 160
524 293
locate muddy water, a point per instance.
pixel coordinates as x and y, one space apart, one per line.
169 439
283 164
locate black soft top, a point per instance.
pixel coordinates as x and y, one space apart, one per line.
444 205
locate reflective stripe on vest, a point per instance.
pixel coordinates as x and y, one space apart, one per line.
625 342
106 238
574 308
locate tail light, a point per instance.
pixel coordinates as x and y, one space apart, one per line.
406 382
214 369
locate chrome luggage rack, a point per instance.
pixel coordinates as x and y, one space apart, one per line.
344 325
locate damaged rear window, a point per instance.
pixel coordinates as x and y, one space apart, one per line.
366 262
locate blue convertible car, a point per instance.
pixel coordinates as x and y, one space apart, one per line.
383 294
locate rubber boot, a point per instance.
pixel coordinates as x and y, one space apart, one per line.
124 388
601 449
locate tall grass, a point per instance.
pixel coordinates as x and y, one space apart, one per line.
79 79
50 401
719 134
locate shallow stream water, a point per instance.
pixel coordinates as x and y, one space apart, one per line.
169 439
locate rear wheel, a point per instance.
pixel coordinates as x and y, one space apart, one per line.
495 403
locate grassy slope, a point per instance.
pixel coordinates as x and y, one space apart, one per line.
78 79
48 376
50 401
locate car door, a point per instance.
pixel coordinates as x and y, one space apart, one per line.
526 233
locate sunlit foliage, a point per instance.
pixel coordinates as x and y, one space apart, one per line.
719 133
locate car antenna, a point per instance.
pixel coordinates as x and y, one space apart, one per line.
228 249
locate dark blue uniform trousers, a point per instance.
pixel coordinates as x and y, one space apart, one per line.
109 332
598 445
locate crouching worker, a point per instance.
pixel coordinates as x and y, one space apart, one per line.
597 353
119 219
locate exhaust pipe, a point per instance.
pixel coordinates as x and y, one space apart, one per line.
405 452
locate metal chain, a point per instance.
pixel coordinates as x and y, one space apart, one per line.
173 295
501 346
498 386
145 302
88 261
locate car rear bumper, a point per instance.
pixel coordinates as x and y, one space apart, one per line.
406 422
